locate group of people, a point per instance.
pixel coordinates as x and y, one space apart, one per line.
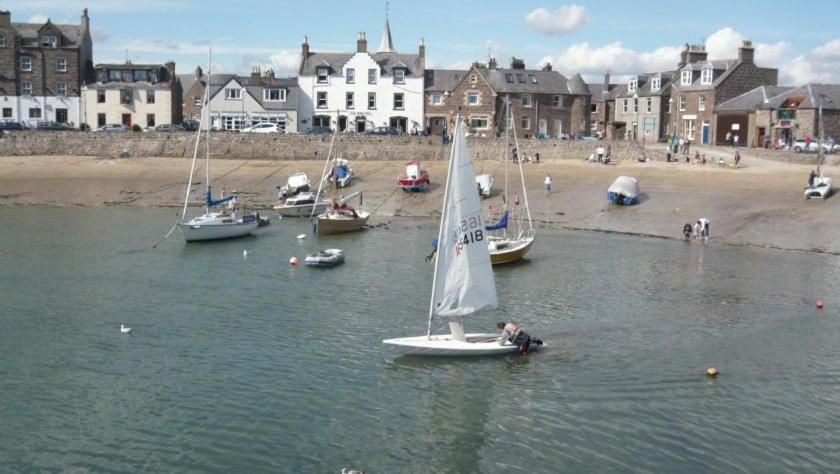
732 139
699 230
515 156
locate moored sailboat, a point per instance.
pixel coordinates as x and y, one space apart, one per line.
463 280
340 217
512 235
216 222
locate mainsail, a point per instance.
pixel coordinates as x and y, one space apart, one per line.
463 276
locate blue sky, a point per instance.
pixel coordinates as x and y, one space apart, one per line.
585 37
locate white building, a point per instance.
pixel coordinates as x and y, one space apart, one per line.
361 89
145 95
237 102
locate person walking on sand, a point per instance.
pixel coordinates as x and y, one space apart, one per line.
704 228
687 146
737 158
536 157
548 184
600 152
668 155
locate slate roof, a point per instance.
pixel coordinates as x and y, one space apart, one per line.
254 88
643 88
721 70
336 61
754 99
597 91
29 34
442 80
187 80
527 81
577 86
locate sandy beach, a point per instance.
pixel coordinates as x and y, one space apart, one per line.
759 204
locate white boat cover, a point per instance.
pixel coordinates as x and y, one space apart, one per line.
625 186
464 281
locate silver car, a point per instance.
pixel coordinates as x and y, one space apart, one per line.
113 127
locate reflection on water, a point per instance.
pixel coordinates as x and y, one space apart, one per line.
250 364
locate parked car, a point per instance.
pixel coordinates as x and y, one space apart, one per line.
814 146
114 127
10 125
168 127
318 130
191 125
384 131
52 126
262 128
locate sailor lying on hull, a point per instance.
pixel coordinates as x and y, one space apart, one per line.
516 336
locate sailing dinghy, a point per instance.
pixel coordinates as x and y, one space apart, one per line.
463 279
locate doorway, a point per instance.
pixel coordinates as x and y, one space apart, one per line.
705 134
543 128
342 123
400 123
361 124
61 115
126 120
558 128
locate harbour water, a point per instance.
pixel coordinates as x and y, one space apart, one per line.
247 364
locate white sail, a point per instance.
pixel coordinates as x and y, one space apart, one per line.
463 276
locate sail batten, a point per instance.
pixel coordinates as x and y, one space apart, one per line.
463 276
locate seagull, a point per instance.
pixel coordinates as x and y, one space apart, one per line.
124 329
244 254
301 236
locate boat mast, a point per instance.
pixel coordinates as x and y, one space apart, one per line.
335 163
209 125
438 260
205 99
507 152
820 115
522 179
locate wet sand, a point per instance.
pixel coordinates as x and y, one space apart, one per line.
758 204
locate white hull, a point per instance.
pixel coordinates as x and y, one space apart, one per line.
445 345
197 231
303 210
821 189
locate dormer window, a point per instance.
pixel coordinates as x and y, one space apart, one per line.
139 75
706 76
274 95
233 93
685 77
509 78
533 79
399 76
633 85
520 78
49 41
323 75
655 84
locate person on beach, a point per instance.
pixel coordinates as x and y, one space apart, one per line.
729 138
687 229
668 155
536 157
548 184
696 158
513 334
735 140
600 152
737 158
704 228
279 195
811 177
687 147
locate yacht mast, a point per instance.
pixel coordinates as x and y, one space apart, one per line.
209 125
522 179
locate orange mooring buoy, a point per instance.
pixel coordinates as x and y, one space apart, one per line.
819 304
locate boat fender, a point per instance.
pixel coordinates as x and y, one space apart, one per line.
819 304
711 372
294 261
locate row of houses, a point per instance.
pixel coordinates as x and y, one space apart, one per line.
47 74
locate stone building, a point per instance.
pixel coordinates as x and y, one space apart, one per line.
603 101
775 116
544 103
237 102
42 69
642 108
145 95
192 92
363 90
701 84
439 86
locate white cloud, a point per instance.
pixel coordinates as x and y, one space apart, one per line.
566 19
724 44
283 63
37 19
821 64
619 60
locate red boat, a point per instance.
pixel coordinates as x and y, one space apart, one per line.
414 179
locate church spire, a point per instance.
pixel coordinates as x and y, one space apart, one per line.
386 45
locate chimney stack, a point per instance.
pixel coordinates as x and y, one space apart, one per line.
547 67
422 53
606 83
255 74
198 72
516 63
170 68
746 53
85 20
361 43
491 63
693 53
304 47
5 19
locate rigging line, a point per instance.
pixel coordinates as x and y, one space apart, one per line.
167 235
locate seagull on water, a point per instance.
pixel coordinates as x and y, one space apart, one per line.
301 236
244 254
124 329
